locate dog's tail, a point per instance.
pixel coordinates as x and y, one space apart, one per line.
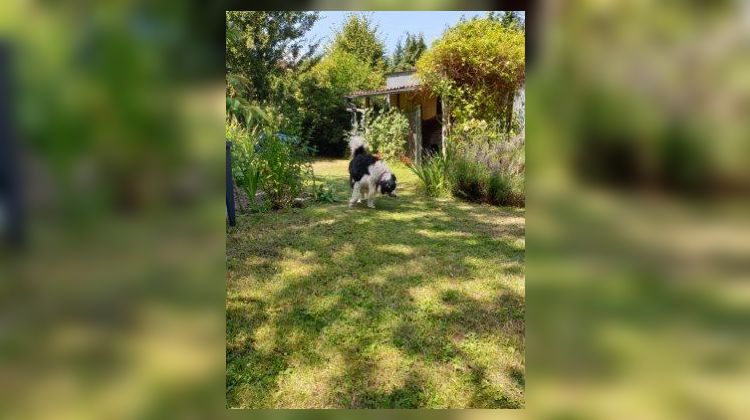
357 145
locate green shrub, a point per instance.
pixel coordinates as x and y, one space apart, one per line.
283 168
478 65
244 171
263 159
471 175
500 190
324 193
251 182
322 108
488 165
432 174
387 133
469 180
475 180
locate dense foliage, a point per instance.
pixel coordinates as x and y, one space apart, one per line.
481 164
509 19
260 45
478 65
263 158
473 181
354 61
309 91
387 133
359 37
322 106
406 55
432 174
488 165
284 166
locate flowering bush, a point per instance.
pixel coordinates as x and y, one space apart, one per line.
488 165
478 65
486 143
387 133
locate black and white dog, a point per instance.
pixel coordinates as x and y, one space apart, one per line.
368 174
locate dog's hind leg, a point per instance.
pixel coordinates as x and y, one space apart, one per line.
370 196
351 185
355 194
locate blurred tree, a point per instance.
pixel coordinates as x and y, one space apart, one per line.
359 37
395 60
262 44
509 19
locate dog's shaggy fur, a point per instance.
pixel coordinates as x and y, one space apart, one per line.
368 174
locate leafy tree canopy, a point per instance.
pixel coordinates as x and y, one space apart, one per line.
510 19
345 72
405 57
322 98
359 37
479 65
262 44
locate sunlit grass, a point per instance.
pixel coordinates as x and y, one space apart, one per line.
417 303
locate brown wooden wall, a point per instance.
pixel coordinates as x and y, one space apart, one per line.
406 101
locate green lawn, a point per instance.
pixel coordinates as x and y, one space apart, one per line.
417 303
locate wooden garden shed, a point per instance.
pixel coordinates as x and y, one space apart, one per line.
423 109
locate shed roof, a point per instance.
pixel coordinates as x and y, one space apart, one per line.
384 91
391 73
401 81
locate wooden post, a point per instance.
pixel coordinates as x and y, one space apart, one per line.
445 129
418 134
354 120
364 121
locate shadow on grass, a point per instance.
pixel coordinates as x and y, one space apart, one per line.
485 396
355 293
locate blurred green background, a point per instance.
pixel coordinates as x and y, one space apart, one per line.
637 223
637 261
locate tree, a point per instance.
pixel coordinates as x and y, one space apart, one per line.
512 20
397 57
354 61
323 107
261 44
405 57
359 37
413 49
509 19
479 66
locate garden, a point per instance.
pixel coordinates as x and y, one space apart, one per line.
417 303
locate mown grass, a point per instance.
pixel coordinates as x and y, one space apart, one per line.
417 303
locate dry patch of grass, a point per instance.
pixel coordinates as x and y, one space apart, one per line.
418 303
